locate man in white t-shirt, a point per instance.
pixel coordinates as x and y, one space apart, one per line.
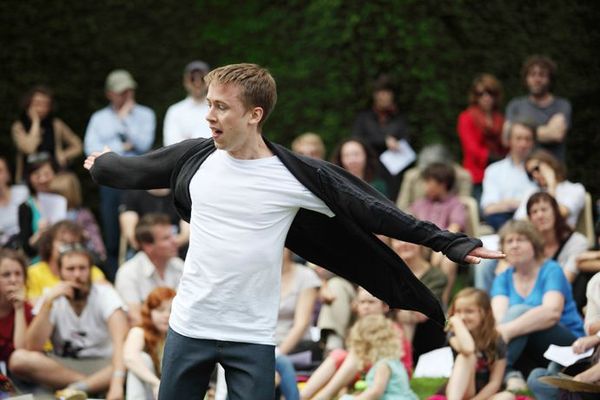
86 325
156 264
242 201
187 118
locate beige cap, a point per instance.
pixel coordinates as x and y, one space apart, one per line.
119 80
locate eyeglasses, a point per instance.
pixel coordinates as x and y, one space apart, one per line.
489 92
531 171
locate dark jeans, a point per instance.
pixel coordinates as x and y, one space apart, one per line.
110 200
188 363
498 219
533 345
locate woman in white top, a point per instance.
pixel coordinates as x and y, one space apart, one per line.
550 175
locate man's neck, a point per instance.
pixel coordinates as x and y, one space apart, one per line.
160 265
542 100
198 99
253 149
516 158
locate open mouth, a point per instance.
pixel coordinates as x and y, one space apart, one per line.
216 132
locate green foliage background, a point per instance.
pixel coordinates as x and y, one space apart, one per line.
323 54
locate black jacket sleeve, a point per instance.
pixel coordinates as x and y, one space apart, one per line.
149 171
377 214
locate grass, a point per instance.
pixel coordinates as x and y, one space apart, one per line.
425 387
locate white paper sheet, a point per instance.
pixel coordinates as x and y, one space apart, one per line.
435 364
53 208
564 355
396 160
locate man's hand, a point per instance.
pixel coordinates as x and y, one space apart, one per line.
89 161
126 108
60 289
475 256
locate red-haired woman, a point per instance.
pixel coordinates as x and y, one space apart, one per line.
144 346
480 128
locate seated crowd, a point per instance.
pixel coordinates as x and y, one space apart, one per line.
83 309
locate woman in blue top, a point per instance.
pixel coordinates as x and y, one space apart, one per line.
533 301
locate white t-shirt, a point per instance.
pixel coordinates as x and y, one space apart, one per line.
241 213
85 335
186 120
137 277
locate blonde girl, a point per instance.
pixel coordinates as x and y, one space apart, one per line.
374 341
480 351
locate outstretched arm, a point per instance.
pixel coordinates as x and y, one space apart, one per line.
149 171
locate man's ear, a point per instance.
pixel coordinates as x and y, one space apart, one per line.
256 114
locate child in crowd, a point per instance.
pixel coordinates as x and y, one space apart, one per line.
480 351
373 340
15 311
341 367
442 207
144 346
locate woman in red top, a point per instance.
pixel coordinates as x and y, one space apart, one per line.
15 312
480 128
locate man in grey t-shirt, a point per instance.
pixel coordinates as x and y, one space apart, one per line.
550 115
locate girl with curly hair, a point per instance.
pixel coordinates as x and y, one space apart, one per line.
374 341
144 346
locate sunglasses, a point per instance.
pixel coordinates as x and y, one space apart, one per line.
531 171
72 248
489 92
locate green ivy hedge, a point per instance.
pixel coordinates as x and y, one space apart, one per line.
323 54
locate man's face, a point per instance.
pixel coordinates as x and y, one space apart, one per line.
383 99
117 100
76 269
538 80
230 122
164 246
194 84
521 141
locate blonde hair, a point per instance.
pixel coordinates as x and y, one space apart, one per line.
67 184
312 139
373 338
258 88
485 335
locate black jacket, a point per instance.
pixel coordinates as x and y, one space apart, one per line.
345 244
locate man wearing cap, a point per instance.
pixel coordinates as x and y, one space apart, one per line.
186 119
127 128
